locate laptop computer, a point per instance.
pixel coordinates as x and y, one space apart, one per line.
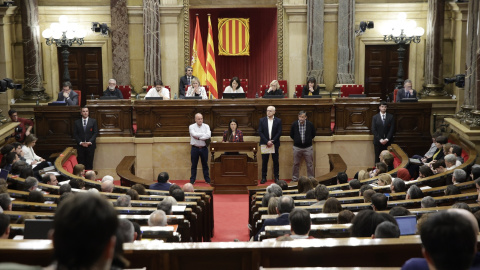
194 97
233 95
407 225
37 228
4 174
357 95
153 98
108 97
273 96
57 103
409 100
313 96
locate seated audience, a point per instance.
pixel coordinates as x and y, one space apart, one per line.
462 205
26 172
140 189
112 90
18 149
452 190
414 192
342 178
79 170
399 211
332 205
475 172
300 224
27 149
283 184
285 206
234 86
428 201
3 186
387 229
162 182
345 216
64 196
431 151
388 159
64 188
384 179
266 198
4 226
398 185
165 206
310 195
188 187
457 151
123 201
5 202
107 178
17 167
450 161
424 171
321 194
380 168
439 154
439 166
275 189
365 223
172 188
10 159
131 192
179 195
77 183
31 183
126 230
354 184
403 174
91 175
379 202
107 186
362 175
367 195
363 188
138 231
459 176
50 179
157 218
312 180
272 206
195 90
446 149
304 184
35 196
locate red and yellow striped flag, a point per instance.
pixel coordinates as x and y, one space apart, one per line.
211 69
233 36
198 56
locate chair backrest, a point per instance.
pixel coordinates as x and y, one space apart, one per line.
299 89
168 87
243 84
79 96
283 86
126 91
225 83
395 95
349 89
263 89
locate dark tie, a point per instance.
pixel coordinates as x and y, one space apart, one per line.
407 95
383 118
84 124
189 83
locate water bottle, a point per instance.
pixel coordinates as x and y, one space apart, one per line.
388 99
256 95
92 98
38 102
137 96
175 97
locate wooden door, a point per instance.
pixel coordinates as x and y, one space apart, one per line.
381 66
85 69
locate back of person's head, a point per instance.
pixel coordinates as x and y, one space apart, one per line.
415 192
381 167
403 174
126 229
438 164
107 178
362 175
275 189
283 184
364 187
163 177
300 221
11 157
5 226
452 190
63 197
379 201
266 198
5 201
35 196
332 205
365 223
310 195
387 229
441 140
138 230
170 199
355 184
345 216
18 166
321 192
304 184
3 186
64 188
425 171
388 159
46 178
7 148
123 201
107 186
165 206
428 201
90 175
26 172
30 183
77 183
272 205
475 172
460 175
133 194
462 205
450 158
90 222
342 178
456 150
172 188
140 189
449 240
179 195
313 181
384 179
188 187
78 169
157 218
399 211
367 195
285 204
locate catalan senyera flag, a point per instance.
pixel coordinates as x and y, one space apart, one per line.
211 69
198 56
233 36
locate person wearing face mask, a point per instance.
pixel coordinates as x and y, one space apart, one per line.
112 90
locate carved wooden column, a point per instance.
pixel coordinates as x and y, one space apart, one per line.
151 26
120 50
346 42
315 23
32 59
433 86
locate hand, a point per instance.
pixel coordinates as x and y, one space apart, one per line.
269 90
310 89
424 160
269 143
42 159
34 162
27 133
65 94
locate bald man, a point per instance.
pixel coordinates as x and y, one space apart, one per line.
199 134
270 130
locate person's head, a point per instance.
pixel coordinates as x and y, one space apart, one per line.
314 181
399 211
403 174
85 113
424 171
304 184
188 187
459 176
138 231
232 126
311 82
452 190
274 85
5 202
30 140
165 206
381 167
414 192
354 184
310 195
462 205
235 83
89 221
321 192
17 147
275 189
300 222
132 193
384 179
475 172
26 172
283 184
123 201
456 150
428 201
31 183
140 189
363 188
18 166
3 186
345 216
367 195
332 205
362 175
383 107
188 71
342 178
387 229
50 179
450 160
90 175
272 206
302 117
13 115
64 188
77 183
158 84
157 218
66 87
379 202
407 84
365 223
285 204
4 226
172 188
440 141
179 195
448 240
446 148
199 119
195 83
112 84
108 186
107 178
439 166
266 197
270 111
163 177
79 170
126 230
11 158
35 196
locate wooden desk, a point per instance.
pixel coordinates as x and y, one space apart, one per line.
114 117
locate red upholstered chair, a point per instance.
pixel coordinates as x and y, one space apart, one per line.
347 90
225 83
79 96
299 89
283 86
126 91
149 87
263 89
395 95
169 90
244 85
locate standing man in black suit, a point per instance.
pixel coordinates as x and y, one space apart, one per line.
85 131
382 129
185 80
270 130
68 95
302 132
406 91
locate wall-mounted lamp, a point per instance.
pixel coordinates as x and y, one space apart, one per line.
101 28
364 25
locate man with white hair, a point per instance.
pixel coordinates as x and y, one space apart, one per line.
107 178
270 130
450 161
124 201
459 176
108 186
112 90
126 230
157 218
188 188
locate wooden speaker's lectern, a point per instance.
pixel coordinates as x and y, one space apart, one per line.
232 172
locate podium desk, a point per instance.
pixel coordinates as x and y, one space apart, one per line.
232 172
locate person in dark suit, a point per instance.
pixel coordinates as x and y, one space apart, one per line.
112 90
274 89
85 131
185 80
285 206
382 129
270 130
406 91
311 89
68 95
302 133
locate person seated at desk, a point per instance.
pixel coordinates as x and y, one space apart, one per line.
196 90
70 97
232 134
406 91
274 89
112 90
234 86
30 155
158 91
311 89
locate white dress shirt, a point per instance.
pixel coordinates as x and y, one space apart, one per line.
201 132
154 93
229 89
30 155
191 92
270 125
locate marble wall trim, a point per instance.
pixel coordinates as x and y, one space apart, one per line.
151 26
470 97
120 50
315 24
346 42
434 43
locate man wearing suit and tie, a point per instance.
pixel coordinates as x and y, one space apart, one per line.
406 91
270 130
85 131
68 95
185 80
382 129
